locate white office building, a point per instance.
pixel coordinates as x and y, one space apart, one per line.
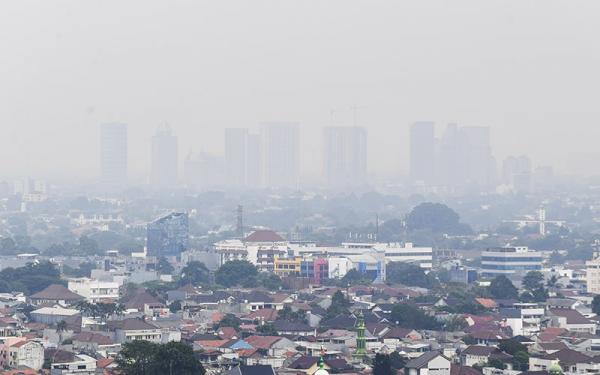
510 261
593 274
95 290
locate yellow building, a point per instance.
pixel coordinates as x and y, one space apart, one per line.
285 266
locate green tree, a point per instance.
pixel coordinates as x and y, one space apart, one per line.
269 281
164 267
502 288
235 272
137 357
397 361
437 218
195 273
533 280
267 329
230 320
511 346
409 275
175 358
354 277
410 316
382 365
521 360
339 305
175 306
61 327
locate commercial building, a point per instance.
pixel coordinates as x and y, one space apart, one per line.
345 156
164 158
95 291
593 274
281 141
113 153
422 152
509 261
243 158
168 236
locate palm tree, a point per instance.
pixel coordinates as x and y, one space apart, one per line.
60 328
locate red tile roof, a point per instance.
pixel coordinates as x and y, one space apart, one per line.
57 292
262 342
264 236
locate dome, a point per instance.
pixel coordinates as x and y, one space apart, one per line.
321 371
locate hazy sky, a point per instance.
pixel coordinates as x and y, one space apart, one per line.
528 69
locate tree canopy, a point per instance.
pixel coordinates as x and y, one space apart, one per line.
29 279
437 218
141 357
410 316
409 275
502 288
194 273
236 272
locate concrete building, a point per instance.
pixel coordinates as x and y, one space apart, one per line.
281 142
113 153
345 156
168 236
81 365
95 290
422 152
509 261
20 352
164 166
593 274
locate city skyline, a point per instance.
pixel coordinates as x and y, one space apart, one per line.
67 74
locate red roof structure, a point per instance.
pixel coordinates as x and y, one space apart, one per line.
264 236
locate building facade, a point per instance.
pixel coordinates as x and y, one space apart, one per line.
113 153
168 236
509 261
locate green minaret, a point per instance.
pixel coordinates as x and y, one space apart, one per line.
361 343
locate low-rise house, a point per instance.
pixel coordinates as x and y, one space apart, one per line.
569 360
134 329
310 365
481 355
284 327
251 370
53 315
81 365
22 353
55 294
429 363
571 320
271 345
91 341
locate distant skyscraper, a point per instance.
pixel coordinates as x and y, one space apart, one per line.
204 171
281 141
113 153
254 161
422 152
168 236
236 149
481 165
517 173
164 158
464 158
345 156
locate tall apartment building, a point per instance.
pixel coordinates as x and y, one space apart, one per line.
164 158
422 152
593 274
281 145
113 153
345 156
243 158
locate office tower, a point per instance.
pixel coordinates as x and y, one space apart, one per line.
168 236
254 169
517 173
481 166
113 153
422 152
164 158
281 142
452 157
204 171
236 149
345 156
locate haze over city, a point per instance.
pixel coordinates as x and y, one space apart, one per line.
205 66
299 187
